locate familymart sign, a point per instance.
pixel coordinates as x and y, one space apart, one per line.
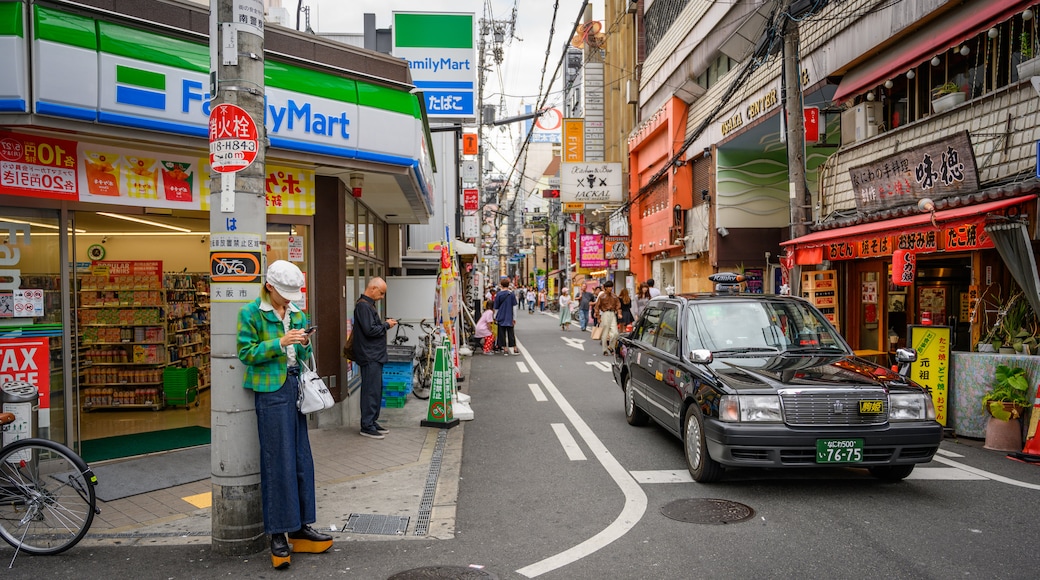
441 54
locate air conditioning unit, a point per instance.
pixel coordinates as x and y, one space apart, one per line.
861 122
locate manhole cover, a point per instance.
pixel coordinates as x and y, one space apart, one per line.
707 511
443 573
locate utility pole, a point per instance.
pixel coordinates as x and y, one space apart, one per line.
237 215
800 202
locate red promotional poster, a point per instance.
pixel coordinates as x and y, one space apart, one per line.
591 255
34 166
28 360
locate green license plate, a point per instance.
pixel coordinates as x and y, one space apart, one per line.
839 450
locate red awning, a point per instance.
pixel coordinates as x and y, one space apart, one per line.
942 34
899 225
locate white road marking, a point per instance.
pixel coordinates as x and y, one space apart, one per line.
603 366
570 446
523 368
986 474
663 476
948 453
578 343
537 392
944 474
635 497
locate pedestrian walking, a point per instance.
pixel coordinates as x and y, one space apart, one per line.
608 309
565 309
541 300
654 292
271 341
639 303
483 329
626 310
370 350
584 304
503 306
531 297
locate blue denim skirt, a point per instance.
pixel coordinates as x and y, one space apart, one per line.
286 465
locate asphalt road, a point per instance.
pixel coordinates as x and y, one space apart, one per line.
556 485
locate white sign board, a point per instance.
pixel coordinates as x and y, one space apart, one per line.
441 52
591 182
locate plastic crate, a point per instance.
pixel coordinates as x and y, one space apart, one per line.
181 386
400 352
395 394
394 402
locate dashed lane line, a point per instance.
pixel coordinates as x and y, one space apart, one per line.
537 392
635 497
570 446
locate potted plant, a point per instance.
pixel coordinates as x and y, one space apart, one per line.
1004 403
947 96
1029 66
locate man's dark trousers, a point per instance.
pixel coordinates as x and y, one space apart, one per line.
371 394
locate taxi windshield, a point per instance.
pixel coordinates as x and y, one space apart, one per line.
750 326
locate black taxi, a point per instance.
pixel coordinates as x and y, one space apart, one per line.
755 380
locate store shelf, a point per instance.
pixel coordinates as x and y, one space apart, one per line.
123 364
85 343
121 384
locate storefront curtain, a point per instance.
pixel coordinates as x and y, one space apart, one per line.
1012 242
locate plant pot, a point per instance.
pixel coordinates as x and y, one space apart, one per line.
947 102
1003 435
1029 68
985 347
1006 350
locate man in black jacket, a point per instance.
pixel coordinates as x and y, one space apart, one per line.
370 350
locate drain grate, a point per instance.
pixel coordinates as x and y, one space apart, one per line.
376 524
707 511
443 573
422 522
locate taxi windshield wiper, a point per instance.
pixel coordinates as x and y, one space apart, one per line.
746 349
817 348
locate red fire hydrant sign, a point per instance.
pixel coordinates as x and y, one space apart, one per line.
233 139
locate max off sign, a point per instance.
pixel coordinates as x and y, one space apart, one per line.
590 182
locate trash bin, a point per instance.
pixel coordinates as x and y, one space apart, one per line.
21 399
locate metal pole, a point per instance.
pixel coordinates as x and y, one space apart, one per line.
237 518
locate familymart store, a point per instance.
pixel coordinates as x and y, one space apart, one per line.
106 279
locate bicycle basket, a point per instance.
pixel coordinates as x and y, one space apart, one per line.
400 352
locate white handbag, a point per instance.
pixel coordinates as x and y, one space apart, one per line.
314 395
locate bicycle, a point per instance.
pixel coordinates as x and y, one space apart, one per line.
47 500
425 353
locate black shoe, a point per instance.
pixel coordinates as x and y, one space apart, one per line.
280 557
382 429
372 434
309 540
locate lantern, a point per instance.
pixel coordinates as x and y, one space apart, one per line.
904 264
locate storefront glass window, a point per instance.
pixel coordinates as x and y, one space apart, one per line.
350 222
31 317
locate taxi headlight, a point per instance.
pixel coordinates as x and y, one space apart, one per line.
750 408
910 407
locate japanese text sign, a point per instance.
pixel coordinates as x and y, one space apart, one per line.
233 139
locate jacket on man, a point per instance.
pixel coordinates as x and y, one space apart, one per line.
369 333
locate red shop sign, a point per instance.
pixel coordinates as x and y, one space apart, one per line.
904 265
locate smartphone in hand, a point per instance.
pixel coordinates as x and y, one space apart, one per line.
310 330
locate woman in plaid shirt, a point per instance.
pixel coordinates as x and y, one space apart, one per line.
271 341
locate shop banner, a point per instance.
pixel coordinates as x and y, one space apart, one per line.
591 255
133 177
28 360
289 190
932 369
37 167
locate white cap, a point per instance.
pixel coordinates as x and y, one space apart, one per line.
287 279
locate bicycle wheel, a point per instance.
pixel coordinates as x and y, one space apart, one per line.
422 379
47 500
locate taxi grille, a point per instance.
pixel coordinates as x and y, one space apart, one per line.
832 408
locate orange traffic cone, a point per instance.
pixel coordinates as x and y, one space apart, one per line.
1031 452
1032 439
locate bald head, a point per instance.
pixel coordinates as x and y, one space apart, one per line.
376 289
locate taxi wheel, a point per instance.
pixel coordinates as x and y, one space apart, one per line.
891 472
633 414
702 467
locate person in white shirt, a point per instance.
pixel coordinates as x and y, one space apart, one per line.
653 291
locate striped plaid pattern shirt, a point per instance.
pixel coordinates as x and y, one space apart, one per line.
259 332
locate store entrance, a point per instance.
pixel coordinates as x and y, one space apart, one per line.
941 297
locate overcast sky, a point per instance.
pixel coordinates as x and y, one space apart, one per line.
517 79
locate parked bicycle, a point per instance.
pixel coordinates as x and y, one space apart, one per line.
47 500
425 353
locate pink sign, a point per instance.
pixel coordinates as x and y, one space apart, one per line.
591 255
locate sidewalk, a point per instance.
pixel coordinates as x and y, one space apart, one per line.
353 475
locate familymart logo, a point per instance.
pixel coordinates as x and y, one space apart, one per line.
141 88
